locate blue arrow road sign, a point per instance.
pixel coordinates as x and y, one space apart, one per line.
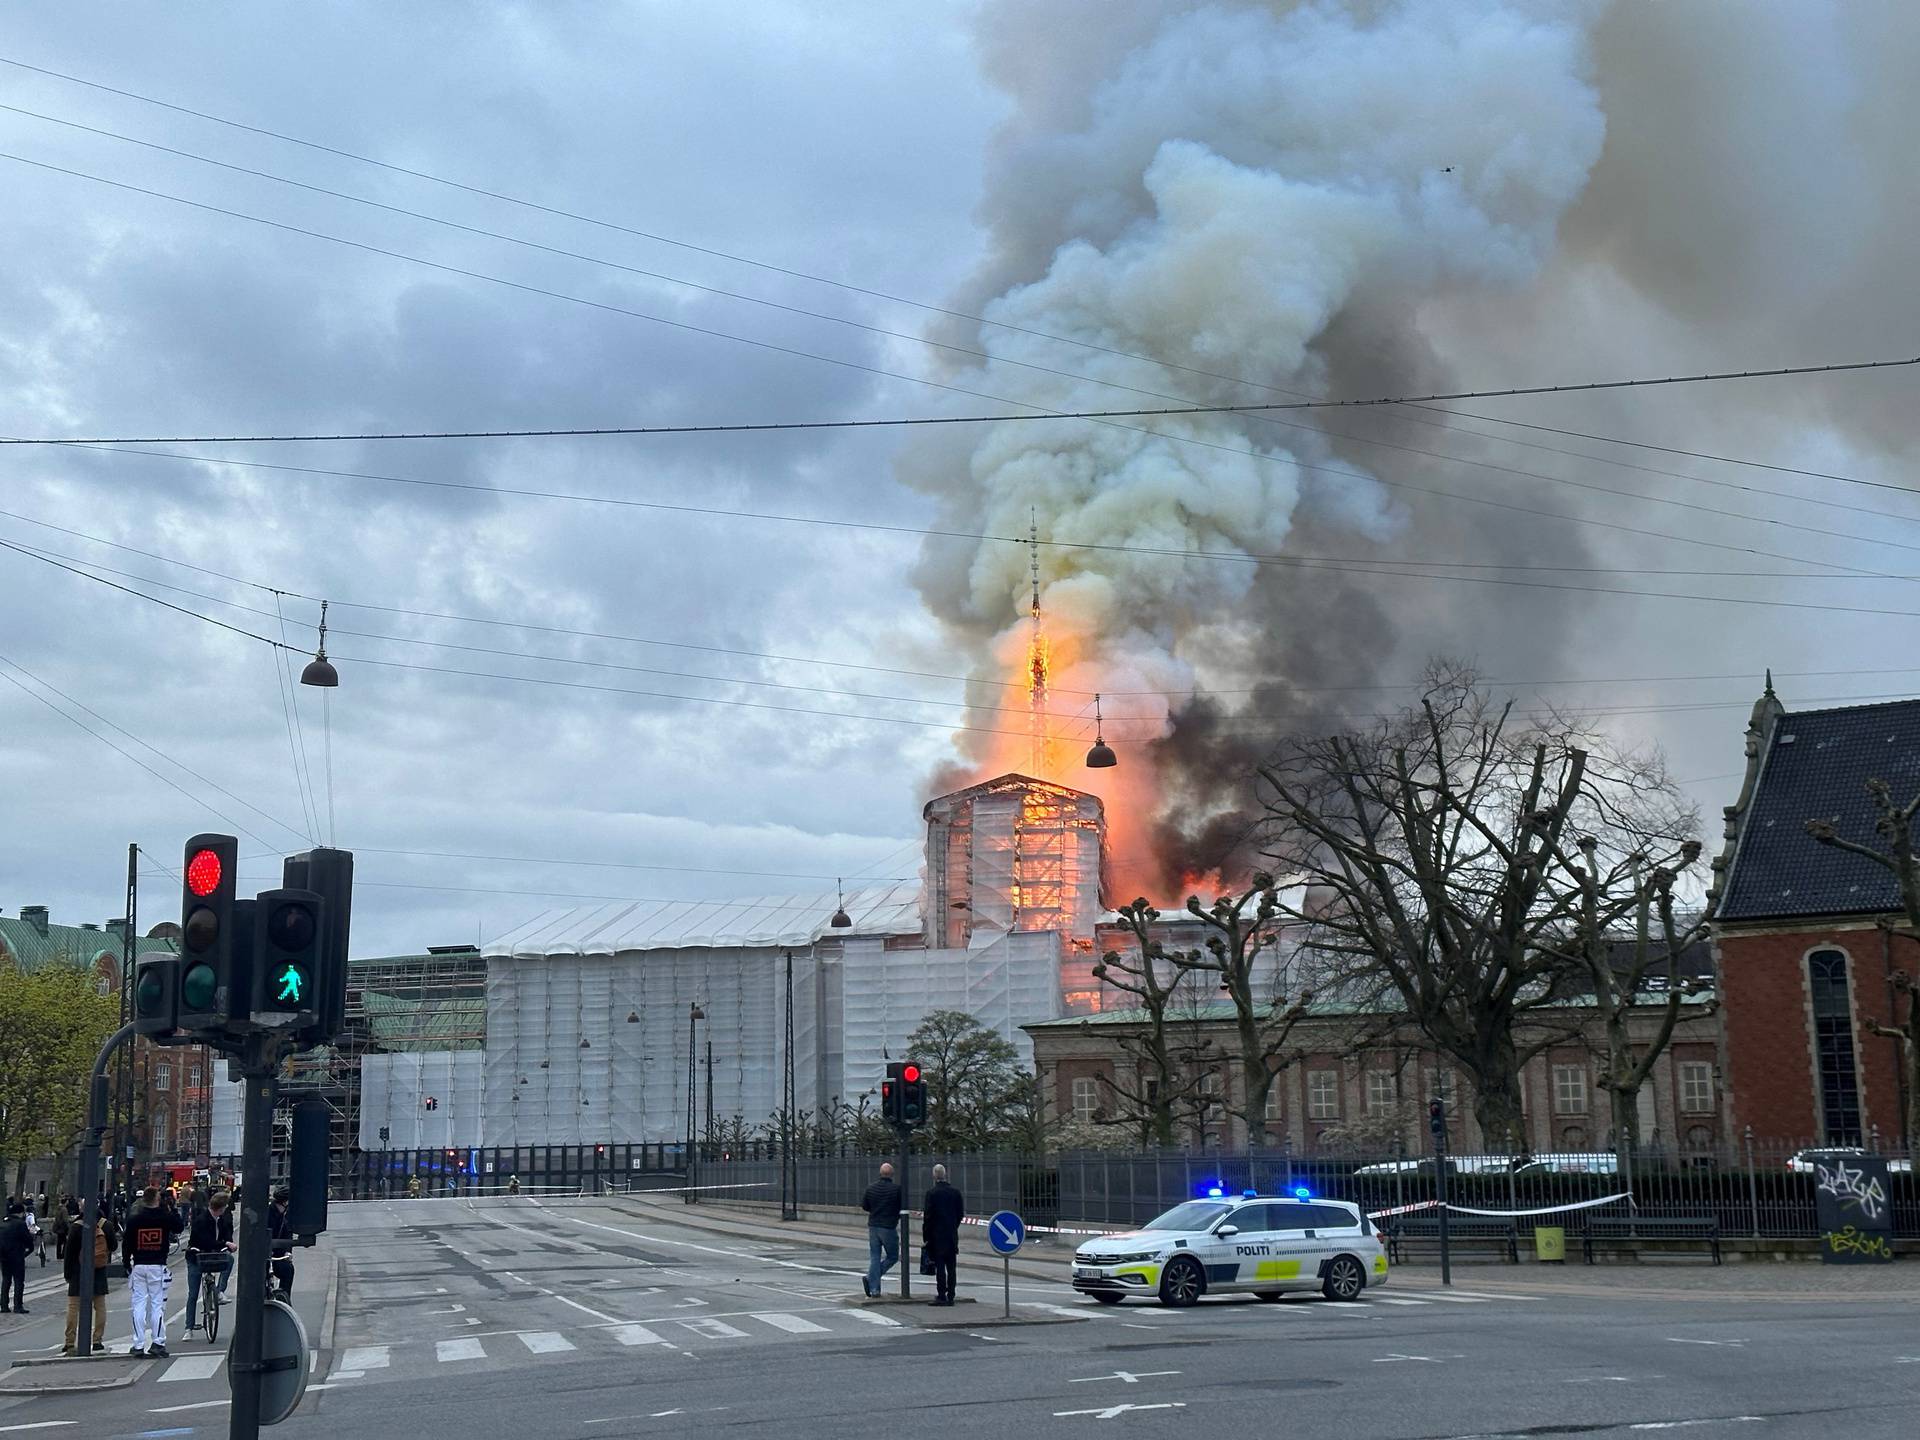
1006 1231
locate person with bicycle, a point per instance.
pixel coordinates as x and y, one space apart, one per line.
209 1253
280 1239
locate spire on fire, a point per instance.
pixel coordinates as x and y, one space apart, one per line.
1042 758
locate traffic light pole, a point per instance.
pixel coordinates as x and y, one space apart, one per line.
1440 1180
906 1212
260 1072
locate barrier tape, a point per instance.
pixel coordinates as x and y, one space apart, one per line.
1501 1214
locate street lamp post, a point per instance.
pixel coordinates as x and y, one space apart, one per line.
694 1016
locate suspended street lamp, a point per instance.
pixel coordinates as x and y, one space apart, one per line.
1101 756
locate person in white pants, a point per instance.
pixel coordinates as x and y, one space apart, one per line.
150 1232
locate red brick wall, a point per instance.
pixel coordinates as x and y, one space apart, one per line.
1770 1073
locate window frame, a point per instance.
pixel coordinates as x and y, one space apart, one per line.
1315 1108
1571 1099
1083 1114
1694 1081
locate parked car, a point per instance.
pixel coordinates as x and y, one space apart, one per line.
1801 1162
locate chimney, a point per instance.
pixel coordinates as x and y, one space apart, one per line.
36 916
117 927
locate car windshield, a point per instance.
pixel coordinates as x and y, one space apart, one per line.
1192 1216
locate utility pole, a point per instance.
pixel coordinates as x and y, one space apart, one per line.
123 1092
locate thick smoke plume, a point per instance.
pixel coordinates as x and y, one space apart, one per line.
1328 198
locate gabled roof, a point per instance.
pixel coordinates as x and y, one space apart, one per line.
1013 780
29 948
1814 765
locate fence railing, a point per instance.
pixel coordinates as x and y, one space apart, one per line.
1757 1189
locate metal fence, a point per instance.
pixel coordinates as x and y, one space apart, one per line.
1760 1190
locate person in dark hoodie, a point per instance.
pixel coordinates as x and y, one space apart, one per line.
15 1240
149 1241
105 1238
209 1249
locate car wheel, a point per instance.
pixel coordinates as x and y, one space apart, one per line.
1107 1298
1344 1280
1270 1294
1181 1283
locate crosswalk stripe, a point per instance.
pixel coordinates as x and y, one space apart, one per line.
195 1367
465 1348
715 1329
366 1357
636 1335
875 1318
545 1342
1391 1300
792 1324
1458 1299
1480 1295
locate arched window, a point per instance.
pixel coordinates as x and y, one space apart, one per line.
1833 1047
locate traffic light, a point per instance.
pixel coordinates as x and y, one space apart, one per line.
286 952
432 1103
1437 1117
328 874
312 1151
211 994
913 1097
891 1090
156 996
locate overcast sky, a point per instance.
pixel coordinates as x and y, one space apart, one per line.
1716 186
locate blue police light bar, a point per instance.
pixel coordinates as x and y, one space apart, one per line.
1301 1192
1214 1192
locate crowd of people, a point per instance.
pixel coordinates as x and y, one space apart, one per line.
142 1236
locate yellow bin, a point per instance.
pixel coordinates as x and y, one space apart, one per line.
1550 1244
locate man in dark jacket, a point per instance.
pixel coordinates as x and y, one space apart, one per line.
940 1233
15 1240
106 1238
209 1248
882 1204
149 1241
280 1239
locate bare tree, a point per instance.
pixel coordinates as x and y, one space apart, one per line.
1426 844
1893 826
1161 1074
1264 1015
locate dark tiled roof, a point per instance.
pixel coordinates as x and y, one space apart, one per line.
1816 767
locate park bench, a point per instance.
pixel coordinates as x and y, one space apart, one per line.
1636 1231
1461 1231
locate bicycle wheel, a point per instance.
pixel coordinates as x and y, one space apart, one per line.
212 1309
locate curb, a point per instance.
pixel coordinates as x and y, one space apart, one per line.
126 1375
332 1312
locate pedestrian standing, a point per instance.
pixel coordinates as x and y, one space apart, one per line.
15 1241
882 1204
104 1239
62 1217
149 1240
940 1233
280 1240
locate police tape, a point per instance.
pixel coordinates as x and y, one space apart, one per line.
1046 1229
1453 1209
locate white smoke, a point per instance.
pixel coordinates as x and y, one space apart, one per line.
1216 197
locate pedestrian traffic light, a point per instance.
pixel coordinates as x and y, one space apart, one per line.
286 948
211 994
1437 1117
913 1097
156 997
328 874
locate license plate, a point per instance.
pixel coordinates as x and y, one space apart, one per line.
1085 1272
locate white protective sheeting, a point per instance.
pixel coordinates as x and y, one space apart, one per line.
395 1088
620 926
226 1114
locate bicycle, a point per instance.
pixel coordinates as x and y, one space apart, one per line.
210 1302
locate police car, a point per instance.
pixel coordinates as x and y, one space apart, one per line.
1268 1245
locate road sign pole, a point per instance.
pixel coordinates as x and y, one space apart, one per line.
1006 1287
260 1071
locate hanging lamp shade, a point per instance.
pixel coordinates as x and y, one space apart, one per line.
319 671
1101 756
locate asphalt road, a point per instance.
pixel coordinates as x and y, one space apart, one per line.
580 1319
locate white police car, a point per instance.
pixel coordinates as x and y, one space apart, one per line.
1269 1245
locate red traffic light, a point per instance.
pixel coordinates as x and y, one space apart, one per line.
910 1074
203 872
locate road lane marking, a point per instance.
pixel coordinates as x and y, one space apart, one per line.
792 1324
466 1348
1682 1340
714 1329
635 1335
367 1357
874 1318
1130 1377
1461 1299
1384 1300
546 1342
1113 1412
1710 1420
196 1405
37 1425
194 1367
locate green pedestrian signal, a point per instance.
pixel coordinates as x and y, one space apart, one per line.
286 951
293 988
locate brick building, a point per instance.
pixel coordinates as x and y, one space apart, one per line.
1803 933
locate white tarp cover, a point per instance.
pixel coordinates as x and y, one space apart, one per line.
892 908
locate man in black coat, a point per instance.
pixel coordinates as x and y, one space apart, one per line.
940 1233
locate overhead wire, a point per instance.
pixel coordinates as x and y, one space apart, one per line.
1012 361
